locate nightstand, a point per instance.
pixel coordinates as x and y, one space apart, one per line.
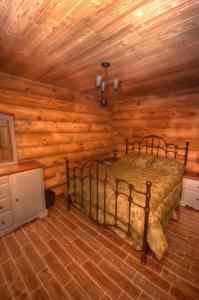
190 191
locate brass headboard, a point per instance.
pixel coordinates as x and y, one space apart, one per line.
157 146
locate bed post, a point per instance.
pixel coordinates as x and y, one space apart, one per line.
186 153
146 219
126 146
68 199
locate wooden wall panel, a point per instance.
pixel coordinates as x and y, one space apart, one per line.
176 118
53 124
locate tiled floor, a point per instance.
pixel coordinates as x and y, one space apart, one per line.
64 256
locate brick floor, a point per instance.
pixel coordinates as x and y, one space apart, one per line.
66 256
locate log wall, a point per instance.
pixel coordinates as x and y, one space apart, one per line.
175 117
53 124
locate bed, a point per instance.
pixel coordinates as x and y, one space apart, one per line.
136 195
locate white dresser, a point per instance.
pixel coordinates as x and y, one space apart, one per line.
190 192
21 195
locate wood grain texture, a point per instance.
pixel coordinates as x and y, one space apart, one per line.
152 45
53 124
33 257
175 118
13 278
67 270
4 293
27 273
12 245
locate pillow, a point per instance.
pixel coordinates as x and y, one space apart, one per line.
129 157
168 164
143 161
136 160
132 157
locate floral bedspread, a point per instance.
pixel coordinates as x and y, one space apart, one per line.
165 195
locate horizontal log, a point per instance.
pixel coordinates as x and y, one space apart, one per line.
164 123
54 182
194 144
170 133
24 140
158 119
44 127
60 169
50 161
55 170
43 151
153 102
17 98
13 83
159 114
26 113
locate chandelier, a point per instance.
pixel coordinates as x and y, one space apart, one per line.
103 85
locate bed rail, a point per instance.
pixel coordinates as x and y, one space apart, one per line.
77 175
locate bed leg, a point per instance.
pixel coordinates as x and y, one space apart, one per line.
68 197
144 254
68 203
146 220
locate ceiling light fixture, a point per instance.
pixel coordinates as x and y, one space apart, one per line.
103 85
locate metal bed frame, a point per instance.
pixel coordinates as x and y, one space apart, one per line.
149 145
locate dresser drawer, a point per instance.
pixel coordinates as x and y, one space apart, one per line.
192 185
5 205
4 191
191 198
3 179
6 219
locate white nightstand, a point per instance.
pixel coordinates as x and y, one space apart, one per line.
190 191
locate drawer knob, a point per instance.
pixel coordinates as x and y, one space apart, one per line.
17 200
1 207
3 222
197 199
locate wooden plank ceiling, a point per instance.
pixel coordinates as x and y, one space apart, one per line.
152 44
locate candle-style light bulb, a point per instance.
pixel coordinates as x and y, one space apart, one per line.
103 86
98 80
115 84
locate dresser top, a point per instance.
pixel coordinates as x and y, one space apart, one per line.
17 168
190 175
